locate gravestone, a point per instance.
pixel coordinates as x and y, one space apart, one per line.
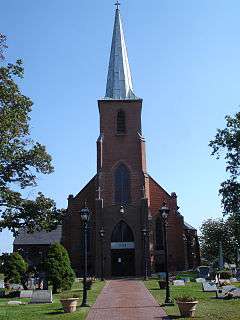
226 289
14 303
203 272
209 287
42 296
26 293
162 275
200 280
235 293
178 283
2 286
31 283
233 280
15 286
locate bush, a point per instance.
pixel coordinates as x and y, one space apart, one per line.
58 268
14 267
13 294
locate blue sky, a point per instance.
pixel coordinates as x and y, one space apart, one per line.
184 58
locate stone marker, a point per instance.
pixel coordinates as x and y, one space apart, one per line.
178 283
226 289
42 296
233 280
26 293
14 303
162 275
209 287
200 280
203 271
16 286
2 286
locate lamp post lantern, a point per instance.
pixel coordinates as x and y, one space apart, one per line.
102 233
164 211
85 215
145 233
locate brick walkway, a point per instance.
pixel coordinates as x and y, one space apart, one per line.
125 300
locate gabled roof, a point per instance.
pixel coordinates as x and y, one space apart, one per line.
188 226
39 237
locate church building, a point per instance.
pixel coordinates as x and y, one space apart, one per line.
125 227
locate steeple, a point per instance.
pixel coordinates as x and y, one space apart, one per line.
119 80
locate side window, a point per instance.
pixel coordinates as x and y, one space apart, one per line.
121 122
122 185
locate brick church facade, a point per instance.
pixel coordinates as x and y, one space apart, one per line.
123 198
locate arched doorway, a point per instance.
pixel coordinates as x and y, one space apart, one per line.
122 250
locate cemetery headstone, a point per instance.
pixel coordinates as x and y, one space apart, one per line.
14 303
203 271
162 275
26 294
200 280
15 286
233 280
2 286
209 287
42 296
178 283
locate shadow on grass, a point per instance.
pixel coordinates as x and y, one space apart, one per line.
58 311
156 289
53 313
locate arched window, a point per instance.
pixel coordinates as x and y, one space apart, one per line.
159 234
121 122
122 185
122 233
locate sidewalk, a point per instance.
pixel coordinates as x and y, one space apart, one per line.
125 300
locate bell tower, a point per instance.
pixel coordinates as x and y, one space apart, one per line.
122 179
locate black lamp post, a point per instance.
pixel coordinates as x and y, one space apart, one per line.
102 233
144 232
164 211
85 215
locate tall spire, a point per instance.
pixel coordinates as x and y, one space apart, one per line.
119 80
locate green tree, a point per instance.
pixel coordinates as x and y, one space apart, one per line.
21 159
227 143
14 267
214 231
58 267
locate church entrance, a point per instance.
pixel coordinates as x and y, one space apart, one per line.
122 251
123 263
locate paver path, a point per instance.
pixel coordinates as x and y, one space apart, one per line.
125 300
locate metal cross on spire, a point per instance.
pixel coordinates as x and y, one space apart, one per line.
117 4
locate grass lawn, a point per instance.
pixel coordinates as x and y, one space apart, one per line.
208 308
49 311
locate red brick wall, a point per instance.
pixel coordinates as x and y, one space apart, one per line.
175 228
72 227
116 148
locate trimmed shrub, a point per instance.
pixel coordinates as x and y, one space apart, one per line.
58 268
14 267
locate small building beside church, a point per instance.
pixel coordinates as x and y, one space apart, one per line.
123 198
